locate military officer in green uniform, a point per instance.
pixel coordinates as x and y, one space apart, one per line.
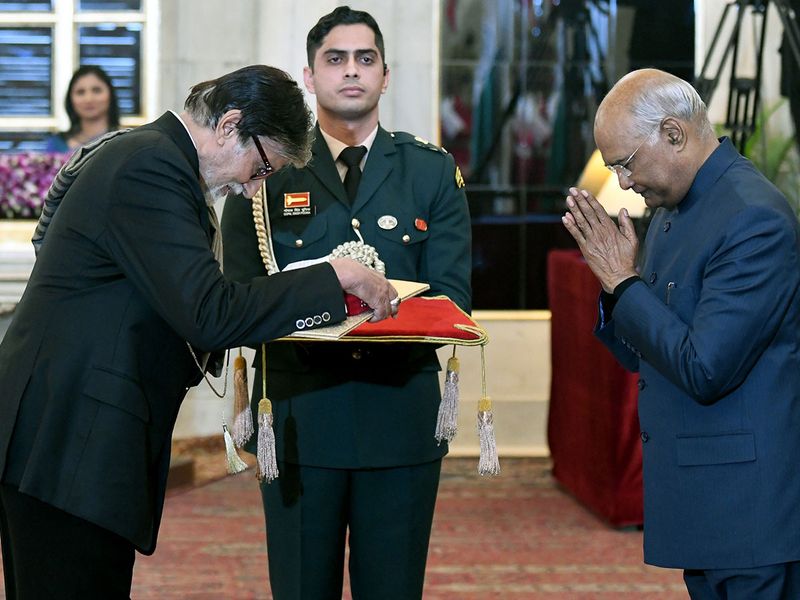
355 423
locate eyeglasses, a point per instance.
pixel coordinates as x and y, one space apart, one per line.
267 169
622 168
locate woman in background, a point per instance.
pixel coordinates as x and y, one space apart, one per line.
91 104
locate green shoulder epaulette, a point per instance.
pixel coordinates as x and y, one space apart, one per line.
407 138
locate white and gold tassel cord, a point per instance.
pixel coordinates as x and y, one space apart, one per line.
216 248
360 252
447 419
488 463
265 448
263 230
234 462
242 413
243 428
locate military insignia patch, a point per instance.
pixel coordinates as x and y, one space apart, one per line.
459 178
297 204
387 222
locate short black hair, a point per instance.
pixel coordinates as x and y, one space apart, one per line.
344 15
113 104
272 106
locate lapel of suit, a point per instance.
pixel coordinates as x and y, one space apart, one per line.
172 126
324 168
377 168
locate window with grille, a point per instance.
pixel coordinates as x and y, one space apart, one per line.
41 45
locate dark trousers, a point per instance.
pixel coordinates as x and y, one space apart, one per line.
387 513
774 582
50 554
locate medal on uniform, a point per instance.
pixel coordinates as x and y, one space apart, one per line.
387 222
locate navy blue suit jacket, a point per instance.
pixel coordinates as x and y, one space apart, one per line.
714 330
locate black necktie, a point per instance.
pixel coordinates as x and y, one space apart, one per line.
351 156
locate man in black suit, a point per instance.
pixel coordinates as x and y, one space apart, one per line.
124 300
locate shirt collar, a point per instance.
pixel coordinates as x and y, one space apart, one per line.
210 200
336 146
716 164
177 116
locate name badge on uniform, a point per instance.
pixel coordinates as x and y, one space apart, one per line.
297 204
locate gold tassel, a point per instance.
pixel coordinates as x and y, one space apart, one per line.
235 463
447 420
489 463
243 416
265 448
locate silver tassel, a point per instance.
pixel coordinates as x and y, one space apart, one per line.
235 463
243 415
489 463
243 427
265 449
447 420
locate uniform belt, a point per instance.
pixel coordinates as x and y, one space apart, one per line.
347 354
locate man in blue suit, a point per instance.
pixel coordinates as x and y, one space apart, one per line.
711 321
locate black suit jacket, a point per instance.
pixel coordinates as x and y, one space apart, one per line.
94 365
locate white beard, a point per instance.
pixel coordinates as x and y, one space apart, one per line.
210 176
223 191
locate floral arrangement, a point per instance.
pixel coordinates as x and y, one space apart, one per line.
24 180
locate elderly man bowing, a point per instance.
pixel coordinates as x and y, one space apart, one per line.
125 299
711 321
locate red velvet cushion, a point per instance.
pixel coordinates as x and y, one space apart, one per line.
353 305
422 319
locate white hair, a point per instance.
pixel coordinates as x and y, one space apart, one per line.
669 97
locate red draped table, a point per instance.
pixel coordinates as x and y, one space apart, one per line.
593 426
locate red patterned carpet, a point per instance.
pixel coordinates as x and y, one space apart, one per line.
514 537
